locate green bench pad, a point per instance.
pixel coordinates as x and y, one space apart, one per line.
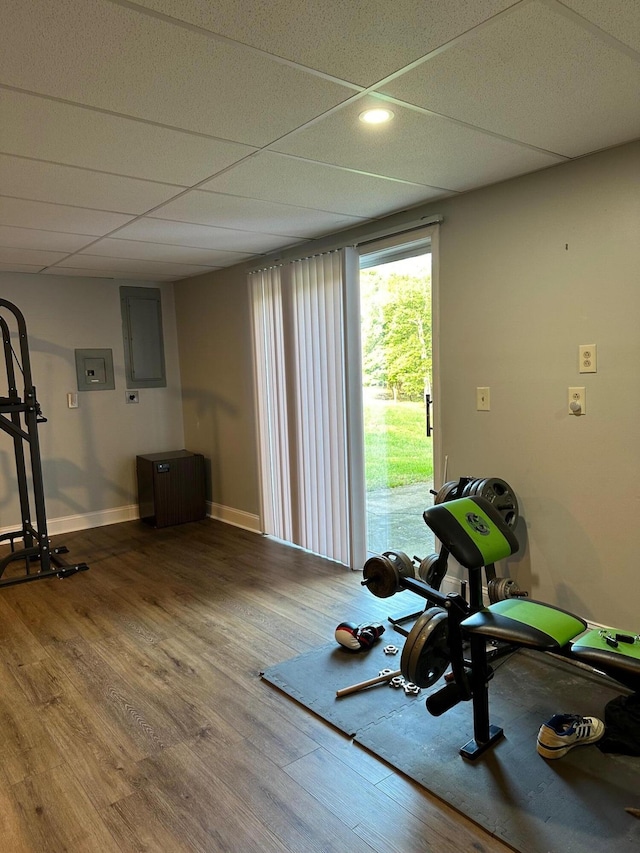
523 622
594 650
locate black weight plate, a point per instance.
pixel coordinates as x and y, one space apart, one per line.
501 495
381 577
402 562
445 492
425 655
426 566
469 488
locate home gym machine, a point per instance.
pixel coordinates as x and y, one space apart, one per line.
19 418
454 632
384 571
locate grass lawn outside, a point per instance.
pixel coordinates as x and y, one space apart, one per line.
397 451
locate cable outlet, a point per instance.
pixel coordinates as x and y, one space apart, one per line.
132 397
587 359
577 402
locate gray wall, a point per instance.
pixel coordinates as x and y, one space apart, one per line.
214 324
531 269
88 453
515 303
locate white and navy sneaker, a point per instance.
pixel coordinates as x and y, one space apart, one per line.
564 731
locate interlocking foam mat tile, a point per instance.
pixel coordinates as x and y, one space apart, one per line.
575 804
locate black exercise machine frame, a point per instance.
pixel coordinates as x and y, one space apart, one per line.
470 676
19 418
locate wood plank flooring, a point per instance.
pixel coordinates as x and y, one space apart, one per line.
133 718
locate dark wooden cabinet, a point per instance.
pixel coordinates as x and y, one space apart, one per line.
171 487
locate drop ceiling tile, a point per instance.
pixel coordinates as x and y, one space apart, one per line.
110 247
113 57
517 78
619 18
57 217
50 130
360 42
288 180
202 236
233 212
29 256
132 265
89 274
38 181
415 147
31 238
19 268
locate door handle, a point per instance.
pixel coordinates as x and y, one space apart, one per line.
427 406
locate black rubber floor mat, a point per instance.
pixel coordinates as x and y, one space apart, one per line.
571 805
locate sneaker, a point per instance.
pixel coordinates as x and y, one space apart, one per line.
564 731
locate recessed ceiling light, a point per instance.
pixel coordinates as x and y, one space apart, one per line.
376 116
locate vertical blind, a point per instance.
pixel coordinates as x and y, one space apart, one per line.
303 405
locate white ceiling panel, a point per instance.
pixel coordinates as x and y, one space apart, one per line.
201 236
417 147
567 101
619 18
89 274
90 50
179 136
32 238
110 247
289 180
361 42
133 265
20 268
29 256
58 217
49 130
230 211
38 181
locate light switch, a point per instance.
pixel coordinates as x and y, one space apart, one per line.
483 399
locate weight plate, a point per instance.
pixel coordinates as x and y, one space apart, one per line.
381 577
425 655
469 487
445 492
501 495
500 589
425 569
402 562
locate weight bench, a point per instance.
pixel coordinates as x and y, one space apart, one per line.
475 534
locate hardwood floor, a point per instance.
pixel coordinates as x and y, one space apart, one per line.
133 718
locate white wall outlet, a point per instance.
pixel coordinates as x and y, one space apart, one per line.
132 397
72 400
587 358
577 401
483 399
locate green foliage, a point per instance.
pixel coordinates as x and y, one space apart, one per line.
397 451
396 330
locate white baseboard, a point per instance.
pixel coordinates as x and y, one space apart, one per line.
84 521
69 523
236 517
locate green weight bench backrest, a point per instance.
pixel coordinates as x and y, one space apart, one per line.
475 534
472 530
